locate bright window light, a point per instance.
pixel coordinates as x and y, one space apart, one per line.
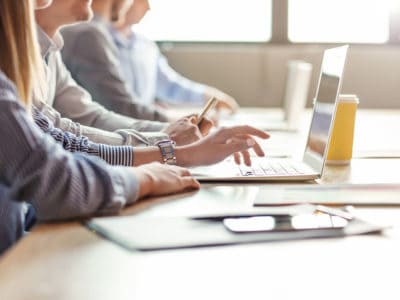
330 21
208 20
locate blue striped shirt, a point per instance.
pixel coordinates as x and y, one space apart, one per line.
60 185
114 155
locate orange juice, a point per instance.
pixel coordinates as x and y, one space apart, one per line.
340 149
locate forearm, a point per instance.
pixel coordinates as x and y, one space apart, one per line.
147 155
120 137
59 184
123 137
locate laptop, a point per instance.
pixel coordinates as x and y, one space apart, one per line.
312 164
296 92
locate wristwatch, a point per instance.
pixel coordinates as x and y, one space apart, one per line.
167 151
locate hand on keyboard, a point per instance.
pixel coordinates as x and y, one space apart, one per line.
222 143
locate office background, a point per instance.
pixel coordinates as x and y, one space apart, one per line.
254 70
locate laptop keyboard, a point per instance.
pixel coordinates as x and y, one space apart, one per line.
272 168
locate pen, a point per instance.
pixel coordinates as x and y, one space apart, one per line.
210 104
334 212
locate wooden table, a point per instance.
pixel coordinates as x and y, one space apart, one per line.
66 261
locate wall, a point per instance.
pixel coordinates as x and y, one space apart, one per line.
255 74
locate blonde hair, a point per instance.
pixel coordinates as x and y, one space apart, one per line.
19 54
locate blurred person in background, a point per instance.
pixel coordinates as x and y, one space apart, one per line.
147 72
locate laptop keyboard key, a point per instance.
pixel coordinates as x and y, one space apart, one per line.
246 171
272 168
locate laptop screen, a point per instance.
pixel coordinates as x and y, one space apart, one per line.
324 106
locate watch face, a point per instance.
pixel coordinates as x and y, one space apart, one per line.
167 152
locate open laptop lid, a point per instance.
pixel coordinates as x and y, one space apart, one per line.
321 127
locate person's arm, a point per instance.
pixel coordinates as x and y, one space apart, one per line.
210 149
114 155
120 137
60 185
217 146
90 55
74 102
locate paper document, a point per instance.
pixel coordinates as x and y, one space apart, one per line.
342 194
377 153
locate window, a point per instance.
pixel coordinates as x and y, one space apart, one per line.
329 21
208 20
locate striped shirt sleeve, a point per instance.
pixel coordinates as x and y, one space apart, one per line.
114 155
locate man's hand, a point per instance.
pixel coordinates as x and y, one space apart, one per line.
186 131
